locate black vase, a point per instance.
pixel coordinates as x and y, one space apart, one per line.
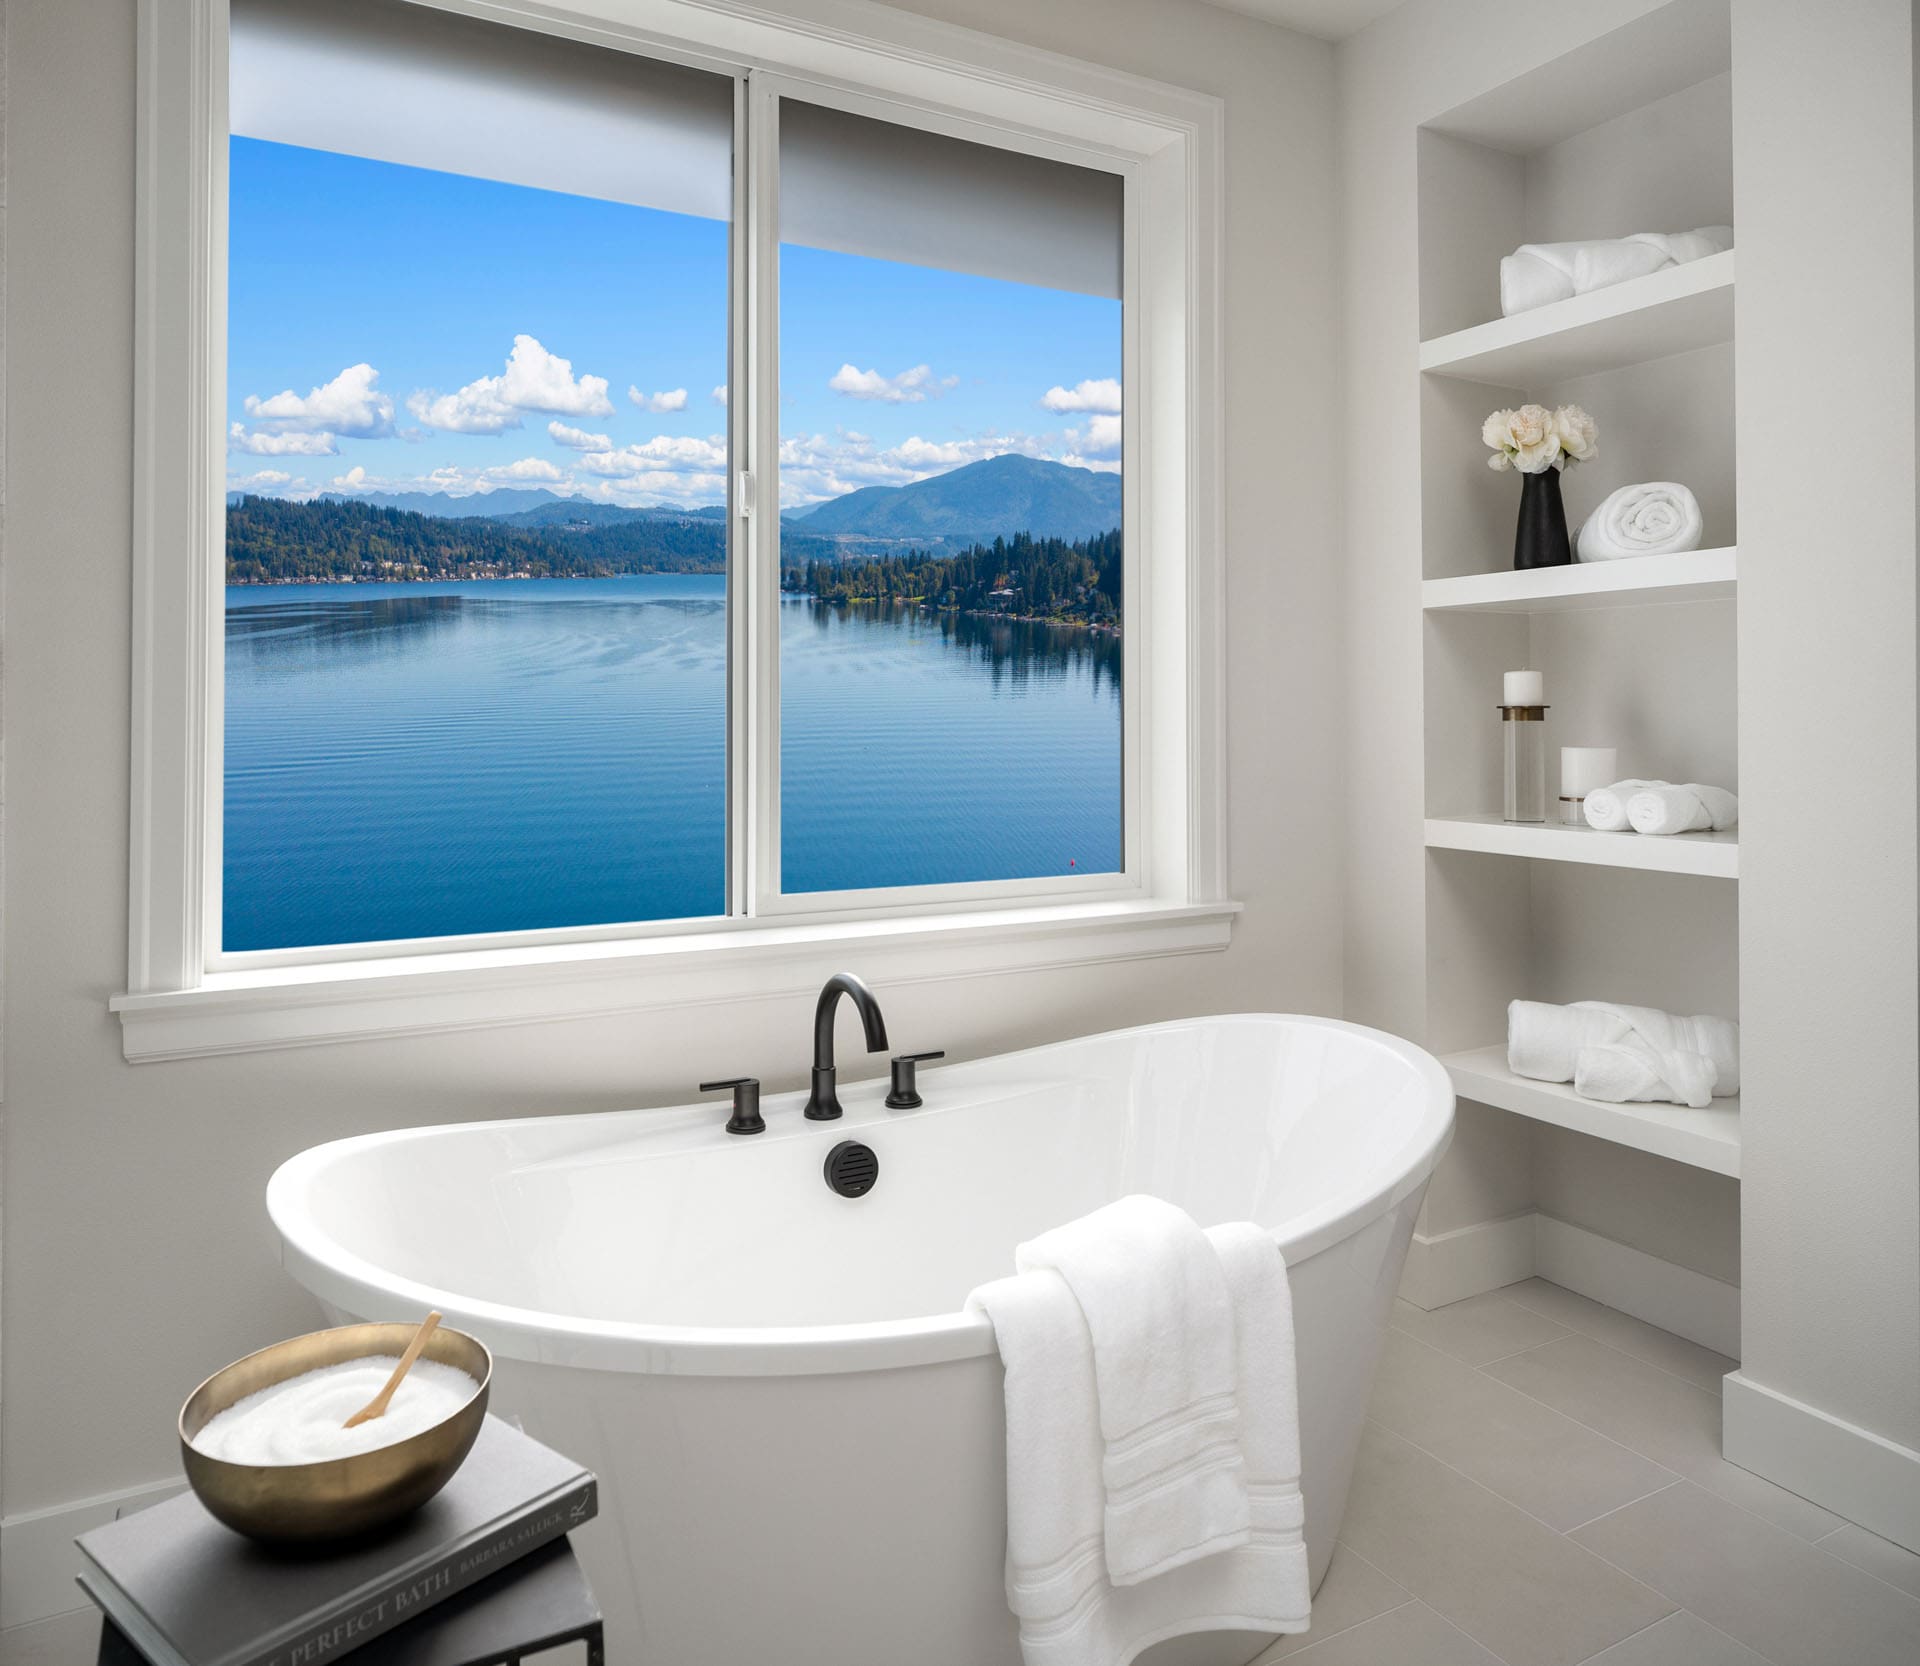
1540 540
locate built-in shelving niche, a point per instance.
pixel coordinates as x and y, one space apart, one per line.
1632 132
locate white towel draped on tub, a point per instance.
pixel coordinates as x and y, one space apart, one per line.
1537 274
1062 1369
1656 517
1691 808
1619 1053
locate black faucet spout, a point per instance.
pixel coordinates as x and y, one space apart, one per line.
823 1104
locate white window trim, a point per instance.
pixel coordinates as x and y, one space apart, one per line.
1172 900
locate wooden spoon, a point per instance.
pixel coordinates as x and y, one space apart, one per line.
377 1406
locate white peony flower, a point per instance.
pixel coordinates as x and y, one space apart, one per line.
1500 460
1577 432
1528 428
1494 430
1537 458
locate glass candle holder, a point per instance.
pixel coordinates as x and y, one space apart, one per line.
1525 729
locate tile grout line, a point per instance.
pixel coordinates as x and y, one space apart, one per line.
1772 1660
1834 1556
1799 1538
1604 1343
1598 1434
1597 1653
1632 1579
1327 1637
1655 1493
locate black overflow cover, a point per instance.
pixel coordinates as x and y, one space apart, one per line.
851 1168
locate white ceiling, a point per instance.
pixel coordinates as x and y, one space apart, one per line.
1329 19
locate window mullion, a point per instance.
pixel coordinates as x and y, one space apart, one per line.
762 523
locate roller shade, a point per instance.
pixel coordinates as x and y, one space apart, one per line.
431 89
876 188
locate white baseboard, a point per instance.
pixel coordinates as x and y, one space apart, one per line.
1450 1266
1840 1466
37 1558
1471 1260
1702 1309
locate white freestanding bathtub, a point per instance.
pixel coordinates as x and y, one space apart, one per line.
798 1429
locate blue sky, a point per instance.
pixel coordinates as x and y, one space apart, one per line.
394 329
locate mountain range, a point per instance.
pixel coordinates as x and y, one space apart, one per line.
996 497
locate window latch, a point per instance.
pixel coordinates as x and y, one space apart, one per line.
743 493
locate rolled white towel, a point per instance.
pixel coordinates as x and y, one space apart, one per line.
1656 517
1619 1053
1536 275
1632 1072
1683 246
1716 1039
1600 265
1690 808
1606 807
1543 1039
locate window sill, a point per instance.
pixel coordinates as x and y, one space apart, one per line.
245 1012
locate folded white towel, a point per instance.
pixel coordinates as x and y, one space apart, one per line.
1161 1319
1537 274
1070 1613
1689 808
1656 517
1606 807
1619 1053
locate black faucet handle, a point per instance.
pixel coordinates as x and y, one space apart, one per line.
746 1118
904 1095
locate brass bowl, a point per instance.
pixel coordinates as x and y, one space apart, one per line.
340 1498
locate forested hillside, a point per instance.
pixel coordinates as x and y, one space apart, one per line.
1076 581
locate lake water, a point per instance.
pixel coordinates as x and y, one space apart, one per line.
417 760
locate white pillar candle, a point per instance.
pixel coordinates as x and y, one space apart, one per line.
1585 769
1525 688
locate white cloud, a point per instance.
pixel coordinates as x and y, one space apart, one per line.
664 453
910 387
658 403
1100 437
260 442
534 380
528 468
577 439
349 405
1102 395
720 394
269 483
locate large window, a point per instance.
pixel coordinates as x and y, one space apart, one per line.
640 502
482 545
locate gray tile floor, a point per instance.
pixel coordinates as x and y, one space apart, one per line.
1542 1485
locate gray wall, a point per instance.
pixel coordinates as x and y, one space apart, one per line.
138 1255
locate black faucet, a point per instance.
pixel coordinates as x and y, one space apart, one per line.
823 1104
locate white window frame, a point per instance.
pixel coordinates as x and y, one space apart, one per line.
185 998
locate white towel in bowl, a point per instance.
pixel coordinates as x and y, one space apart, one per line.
1656 517
1690 808
1071 1612
1606 807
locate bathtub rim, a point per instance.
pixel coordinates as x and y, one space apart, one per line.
354 1285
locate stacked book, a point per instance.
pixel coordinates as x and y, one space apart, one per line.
186 1591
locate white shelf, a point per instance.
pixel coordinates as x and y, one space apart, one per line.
1704 1139
1714 855
1653 317
1638 581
